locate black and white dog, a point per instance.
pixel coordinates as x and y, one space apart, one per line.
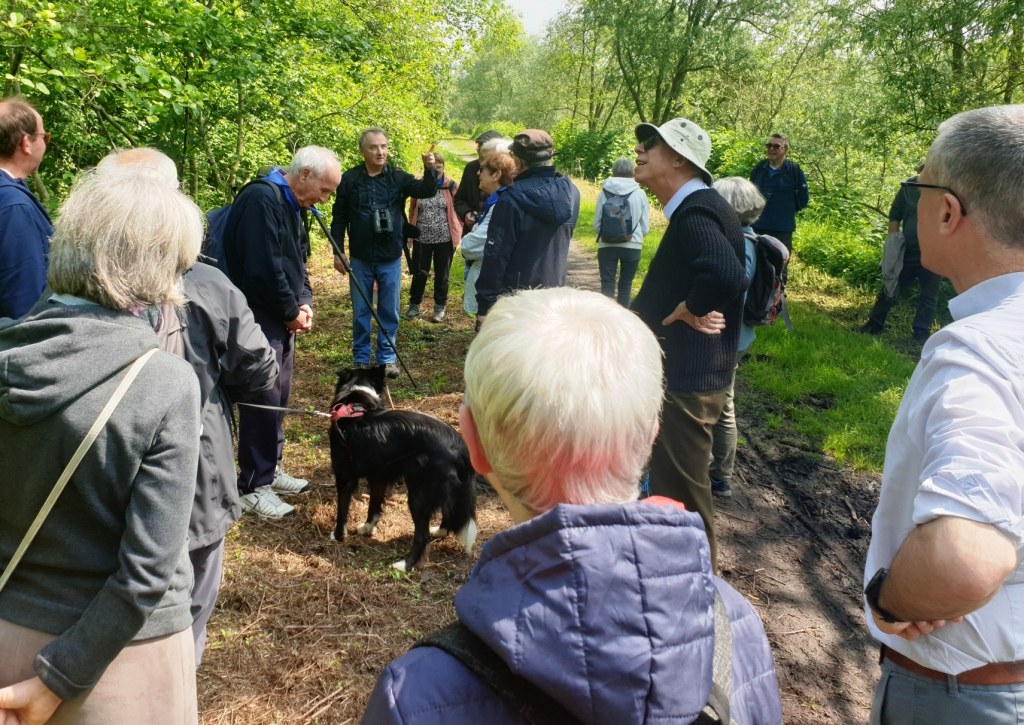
383 447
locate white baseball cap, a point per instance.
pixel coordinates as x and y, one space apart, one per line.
685 138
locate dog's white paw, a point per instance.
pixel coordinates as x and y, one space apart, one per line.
366 529
436 532
331 537
400 565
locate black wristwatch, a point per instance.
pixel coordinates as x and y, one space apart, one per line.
872 592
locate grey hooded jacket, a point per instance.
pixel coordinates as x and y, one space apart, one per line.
110 564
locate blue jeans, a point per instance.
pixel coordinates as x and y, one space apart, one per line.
903 697
388 276
609 260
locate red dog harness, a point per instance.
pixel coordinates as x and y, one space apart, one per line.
347 410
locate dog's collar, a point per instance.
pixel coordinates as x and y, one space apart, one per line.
347 410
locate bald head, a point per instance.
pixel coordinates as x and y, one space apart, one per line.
142 160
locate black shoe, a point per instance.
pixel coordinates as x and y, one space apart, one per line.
720 488
920 336
869 328
391 371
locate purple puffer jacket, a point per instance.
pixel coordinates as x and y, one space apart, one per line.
608 609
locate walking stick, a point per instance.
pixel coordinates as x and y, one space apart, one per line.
359 288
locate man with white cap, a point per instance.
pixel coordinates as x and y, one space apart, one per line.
692 299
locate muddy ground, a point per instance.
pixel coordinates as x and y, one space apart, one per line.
304 625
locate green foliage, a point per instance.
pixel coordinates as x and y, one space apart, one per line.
508 129
733 153
841 251
590 154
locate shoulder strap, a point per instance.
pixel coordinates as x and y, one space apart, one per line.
72 465
531 703
721 673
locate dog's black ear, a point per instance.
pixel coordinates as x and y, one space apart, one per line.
343 377
377 376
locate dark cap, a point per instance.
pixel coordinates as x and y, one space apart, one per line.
533 145
487 136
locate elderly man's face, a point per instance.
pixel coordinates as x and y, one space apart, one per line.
374 149
309 189
654 161
775 150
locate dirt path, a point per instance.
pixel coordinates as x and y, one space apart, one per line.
793 539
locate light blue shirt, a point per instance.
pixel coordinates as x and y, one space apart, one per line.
694 184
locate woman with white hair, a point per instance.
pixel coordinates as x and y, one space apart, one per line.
746 199
598 602
94 620
621 255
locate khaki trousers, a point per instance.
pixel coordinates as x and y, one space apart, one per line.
152 681
682 454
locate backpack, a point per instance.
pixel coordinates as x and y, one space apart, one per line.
217 223
766 293
617 225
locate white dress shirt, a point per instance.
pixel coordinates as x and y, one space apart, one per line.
956 448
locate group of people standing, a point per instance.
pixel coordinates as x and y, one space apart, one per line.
99 601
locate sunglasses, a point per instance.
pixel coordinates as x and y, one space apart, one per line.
650 142
774 146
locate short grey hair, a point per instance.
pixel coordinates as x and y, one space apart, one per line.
318 159
624 168
141 160
548 429
123 239
497 143
980 154
372 129
743 196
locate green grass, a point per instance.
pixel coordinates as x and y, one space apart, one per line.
833 390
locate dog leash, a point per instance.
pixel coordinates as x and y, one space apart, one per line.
286 410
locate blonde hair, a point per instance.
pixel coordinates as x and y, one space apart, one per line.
123 239
565 387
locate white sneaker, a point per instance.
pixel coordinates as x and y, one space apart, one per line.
285 485
265 503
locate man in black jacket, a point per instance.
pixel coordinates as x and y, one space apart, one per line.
692 299
370 210
530 228
266 247
467 198
784 187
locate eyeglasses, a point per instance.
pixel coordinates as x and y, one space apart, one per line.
45 134
650 142
774 146
919 185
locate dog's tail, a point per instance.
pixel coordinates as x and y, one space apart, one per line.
459 513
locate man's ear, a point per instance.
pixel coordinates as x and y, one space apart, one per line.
467 426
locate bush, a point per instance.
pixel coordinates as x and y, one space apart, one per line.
590 154
846 253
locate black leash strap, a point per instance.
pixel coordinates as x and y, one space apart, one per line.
359 288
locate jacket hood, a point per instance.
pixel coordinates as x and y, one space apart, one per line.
620 185
37 351
547 195
606 608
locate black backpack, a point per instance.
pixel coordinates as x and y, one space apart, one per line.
617 225
216 225
766 294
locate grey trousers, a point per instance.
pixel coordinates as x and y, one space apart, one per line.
902 698
682 454
152 681
207 565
